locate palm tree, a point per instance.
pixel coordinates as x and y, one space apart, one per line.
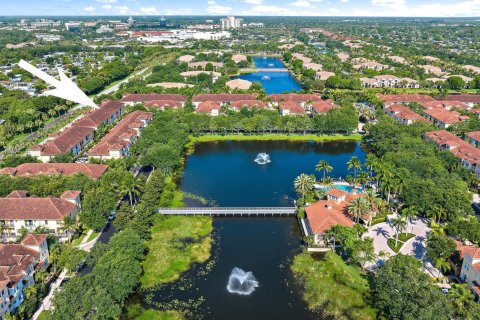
399 224
409 213
461 295
303 183
69 225
358 207
363 179
354 164
324 166
131 187
442 264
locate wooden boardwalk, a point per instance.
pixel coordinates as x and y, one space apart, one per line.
230 211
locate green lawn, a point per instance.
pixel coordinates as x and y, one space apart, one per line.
92 236
333 288
177 242
79 240
402 238
279 136
137 312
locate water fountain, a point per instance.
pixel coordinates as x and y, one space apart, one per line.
266 78
241 282
270 65
262 158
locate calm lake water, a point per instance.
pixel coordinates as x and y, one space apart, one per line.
226 173
279 82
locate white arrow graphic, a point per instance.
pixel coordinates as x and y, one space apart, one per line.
64 88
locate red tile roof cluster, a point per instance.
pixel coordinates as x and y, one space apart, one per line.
445 105
460 148
324 214
295 97
402 112
465 98
147 97
445 116
475 135
93 171
164 104
223 97
123 134
248 104
15 260
34 239
208 106
63 142
292 107
102 114
323 106
404 98
27 208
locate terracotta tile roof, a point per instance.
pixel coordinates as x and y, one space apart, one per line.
466 98
458 147
208 106
337 193
445 105
70 194
472 251
324 214
404 97
223 97
292 107
239 84
445 116
475 135
33 239
93 171
404 113
65 141
35 208
295 97
122 134
162 104
15 259
249 104
323 106
18 194
135 97
102 114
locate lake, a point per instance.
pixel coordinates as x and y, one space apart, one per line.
225 172
279 82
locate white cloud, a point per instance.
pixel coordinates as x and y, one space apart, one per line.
388 3
214 8
257 2
270 10
107 1
344 1
301 3
122 9
149 10
89 9
178 11
107 6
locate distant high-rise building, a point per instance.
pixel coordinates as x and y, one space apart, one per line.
130 22
163 22
72 26
231 23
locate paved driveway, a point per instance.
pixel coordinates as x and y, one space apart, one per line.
383 231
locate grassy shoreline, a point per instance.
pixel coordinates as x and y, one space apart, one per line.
277 137
177 242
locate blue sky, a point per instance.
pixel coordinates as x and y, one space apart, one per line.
409 8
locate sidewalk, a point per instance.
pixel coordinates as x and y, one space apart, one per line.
47 301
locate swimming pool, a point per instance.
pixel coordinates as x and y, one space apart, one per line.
344 187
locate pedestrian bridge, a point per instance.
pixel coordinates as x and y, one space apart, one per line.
230 211
251 70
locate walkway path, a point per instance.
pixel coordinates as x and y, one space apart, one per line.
415 246
47 301
230 211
